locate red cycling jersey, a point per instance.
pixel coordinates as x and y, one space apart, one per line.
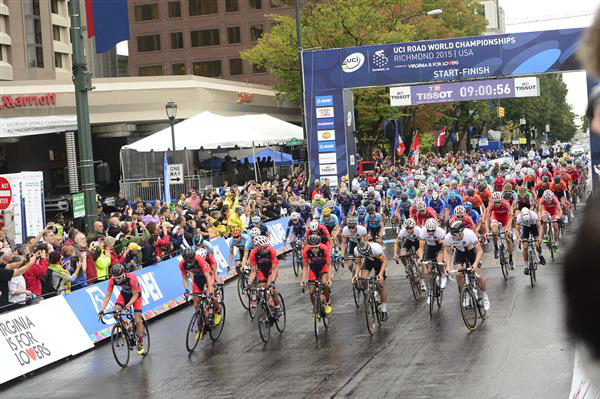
467 221
317 263
199 268
129 286
421 217
264 263
322 232
499 212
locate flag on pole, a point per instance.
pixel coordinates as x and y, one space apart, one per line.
415 147
441 138
108 21
399 146
167 180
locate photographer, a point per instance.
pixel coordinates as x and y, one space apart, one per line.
61 277
8 272
37 272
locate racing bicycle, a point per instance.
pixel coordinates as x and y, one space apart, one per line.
470 305
372 301
319 307
123 338
267 314
436 292
202 322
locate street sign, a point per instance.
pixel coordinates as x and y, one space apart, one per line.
5 193
78 205
176 173
294 142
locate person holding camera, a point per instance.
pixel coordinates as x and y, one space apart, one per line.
8 271
61 277
37 272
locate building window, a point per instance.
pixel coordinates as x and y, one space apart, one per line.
255 4
58 60
206 37
211 69
282 3
258 69
233 35
174 9
33 34
56 33
148 43
203 7
231 6
54 7
176 40
256 32
235 66
179 69
150 70
146 12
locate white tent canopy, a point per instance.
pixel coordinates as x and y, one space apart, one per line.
210 131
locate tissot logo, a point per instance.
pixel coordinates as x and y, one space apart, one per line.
353 62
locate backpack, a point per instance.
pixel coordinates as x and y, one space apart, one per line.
48 289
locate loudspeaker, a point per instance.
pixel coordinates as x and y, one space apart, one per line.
102 173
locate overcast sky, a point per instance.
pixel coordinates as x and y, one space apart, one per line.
534 15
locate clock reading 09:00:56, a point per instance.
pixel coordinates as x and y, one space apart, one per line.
486 90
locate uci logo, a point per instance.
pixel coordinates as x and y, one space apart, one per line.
353 62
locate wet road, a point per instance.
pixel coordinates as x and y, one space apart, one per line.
520 351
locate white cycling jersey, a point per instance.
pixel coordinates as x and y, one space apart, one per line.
532 220
433 239
466 243
377 251
356 235
414 236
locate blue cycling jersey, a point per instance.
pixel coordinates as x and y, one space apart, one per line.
361 218
373 222
331 222
438 206
299 228
240 242
452 205
475 216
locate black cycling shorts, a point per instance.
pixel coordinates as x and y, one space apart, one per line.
531 230
431 252
371 264
373 232
351 246
408 245
461 257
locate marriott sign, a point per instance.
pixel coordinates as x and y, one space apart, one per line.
27 101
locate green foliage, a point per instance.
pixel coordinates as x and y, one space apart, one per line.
426 141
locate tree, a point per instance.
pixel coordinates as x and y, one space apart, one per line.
348 23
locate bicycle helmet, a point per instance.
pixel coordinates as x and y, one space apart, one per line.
255 231
236 231
187 254
201 252
330 204
364 249
301 203
351 221
261 241
496 196
371 208
468 206
431 225
255 219
556 179
525 217
326 212
409 223
314 240
361 209
459 211
314 225
419 204
117 270
435 196
370 189
317 197
546 179
548 195
470 191
198 239
295 216
457 227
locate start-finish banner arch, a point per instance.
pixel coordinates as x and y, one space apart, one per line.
329 76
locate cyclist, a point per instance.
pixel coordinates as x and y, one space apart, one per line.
409 238
130 295
361 214
331 222
371 256
485 195
549 210
374 221
315 228
499 213
304 210
437 204
419 212
430 245
265 267
560 190
257 222
466 247
238 240
316 265
474 198
346 202
403 207
460 213
530 226
202 279
296 226
454 200
352 234
254 232
199 242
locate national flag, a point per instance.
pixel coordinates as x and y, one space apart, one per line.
108 21
399 146
441 138
415 147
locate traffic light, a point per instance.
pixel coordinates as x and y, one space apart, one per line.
501 112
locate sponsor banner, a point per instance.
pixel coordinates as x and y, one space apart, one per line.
323 101
325 135
333 180
28 126
464 91
37 335
325 112
483 142
162 286
327 157
327 146
330 169
326 123
353 62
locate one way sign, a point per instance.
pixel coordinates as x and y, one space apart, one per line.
176 173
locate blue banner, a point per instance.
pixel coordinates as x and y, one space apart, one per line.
162 285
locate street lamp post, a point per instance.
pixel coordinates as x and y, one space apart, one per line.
171 109
422 13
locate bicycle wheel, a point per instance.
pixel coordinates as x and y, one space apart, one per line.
439 297
532 270
370 311
431 293
316 315
244 298
356 293
264 324
252 310
414 282
295 264
215 331
220 292
325 317
503 263
120 345
336 263
146 337
280 322
551 242
468 308
192 336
